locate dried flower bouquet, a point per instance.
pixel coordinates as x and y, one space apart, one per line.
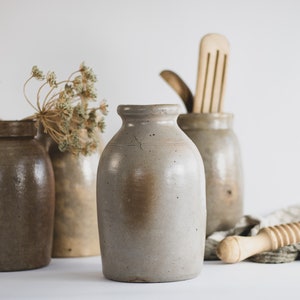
63 109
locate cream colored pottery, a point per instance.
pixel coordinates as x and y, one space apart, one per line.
213 135
151 199
75 224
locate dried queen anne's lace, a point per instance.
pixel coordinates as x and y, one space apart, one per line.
65 113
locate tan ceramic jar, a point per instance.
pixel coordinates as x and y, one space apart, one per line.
151 199
75 223
213 135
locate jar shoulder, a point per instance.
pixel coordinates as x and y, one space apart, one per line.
151 151
24 146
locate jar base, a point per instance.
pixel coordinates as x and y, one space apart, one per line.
150 279
27 267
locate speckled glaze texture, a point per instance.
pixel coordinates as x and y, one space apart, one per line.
220 151
26 198
151 199
75 223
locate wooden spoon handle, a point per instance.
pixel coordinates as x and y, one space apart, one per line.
180 88
237 248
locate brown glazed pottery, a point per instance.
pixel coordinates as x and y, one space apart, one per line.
213 135
26 198
151 199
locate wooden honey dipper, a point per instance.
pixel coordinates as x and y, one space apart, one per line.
237 248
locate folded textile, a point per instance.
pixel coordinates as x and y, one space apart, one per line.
249 226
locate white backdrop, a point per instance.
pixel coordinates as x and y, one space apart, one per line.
128 43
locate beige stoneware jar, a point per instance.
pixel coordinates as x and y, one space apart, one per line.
213 135
151 199
75 223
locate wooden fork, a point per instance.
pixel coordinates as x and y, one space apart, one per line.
212 70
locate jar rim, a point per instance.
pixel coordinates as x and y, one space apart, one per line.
205 121
152 109
18 128
223 115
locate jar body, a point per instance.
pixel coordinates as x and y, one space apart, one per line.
27 198
75 222
151 199
220 151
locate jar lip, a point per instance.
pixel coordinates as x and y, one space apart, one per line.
219 115
18 128
152 109
205 121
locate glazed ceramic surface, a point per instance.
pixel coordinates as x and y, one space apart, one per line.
75 223
26 198
220 151
151 199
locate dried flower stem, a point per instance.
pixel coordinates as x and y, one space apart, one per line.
24 93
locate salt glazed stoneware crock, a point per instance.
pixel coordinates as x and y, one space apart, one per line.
151 199
213 135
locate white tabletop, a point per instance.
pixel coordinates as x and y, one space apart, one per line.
81 278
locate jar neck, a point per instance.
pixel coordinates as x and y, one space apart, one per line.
13 129
145 114
204 121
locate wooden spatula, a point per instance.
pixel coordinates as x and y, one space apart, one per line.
212 69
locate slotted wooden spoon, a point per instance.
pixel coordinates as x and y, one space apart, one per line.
212 70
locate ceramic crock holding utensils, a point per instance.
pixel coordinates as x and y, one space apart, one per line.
151 199
212 132
218 145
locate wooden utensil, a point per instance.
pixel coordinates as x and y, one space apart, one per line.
212 70
180 88
237 248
